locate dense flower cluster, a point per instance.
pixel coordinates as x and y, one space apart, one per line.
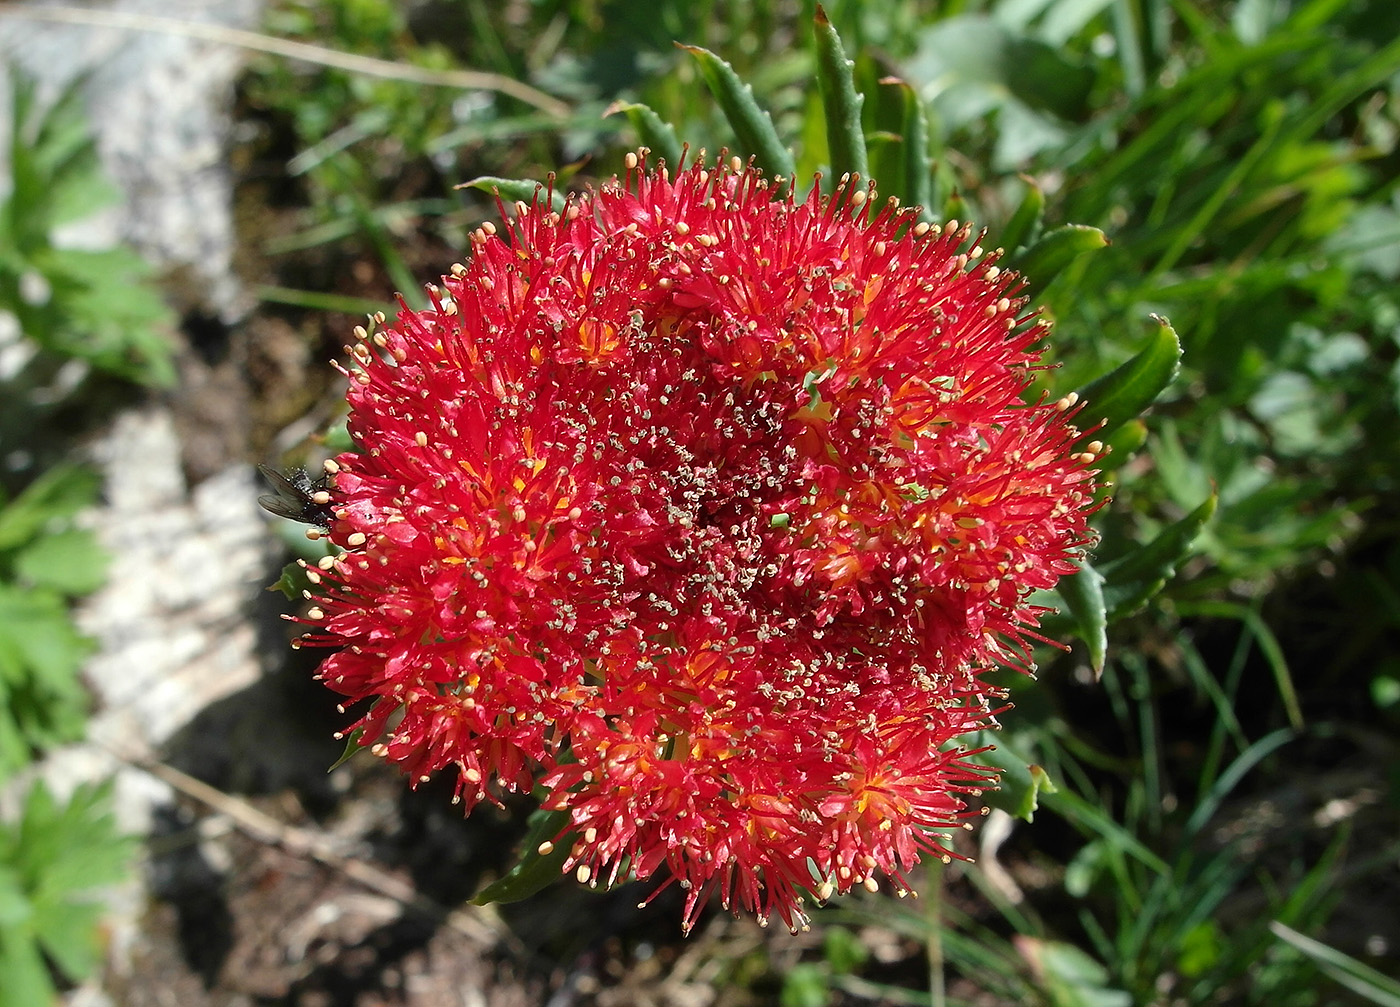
705 509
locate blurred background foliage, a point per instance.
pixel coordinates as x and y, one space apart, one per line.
1241 160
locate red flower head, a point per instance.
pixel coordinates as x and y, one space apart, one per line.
706 510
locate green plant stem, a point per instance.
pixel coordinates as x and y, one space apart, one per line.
933 915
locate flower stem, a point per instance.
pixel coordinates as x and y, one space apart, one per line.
933 917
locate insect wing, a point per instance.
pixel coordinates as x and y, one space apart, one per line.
292 498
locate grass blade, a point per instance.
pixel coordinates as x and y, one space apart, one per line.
1356 976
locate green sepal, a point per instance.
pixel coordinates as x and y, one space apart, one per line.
1083 593
535 870
1020 782
1123 393
515 190
353 745
752 126
845 139
654 132
1024 225
1048 257
336 438
1130 580
292 582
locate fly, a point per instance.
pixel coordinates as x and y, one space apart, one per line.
297 497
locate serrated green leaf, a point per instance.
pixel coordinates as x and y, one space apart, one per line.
59 493
535 871
1021 782
919 169
1024 225
70 562
1123 393
653 131
36 627
841 102
67 931
15 908
1083 593
1047 258
516 190
752 126
24 977
59 853
1130 580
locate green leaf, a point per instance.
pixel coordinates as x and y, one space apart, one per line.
1021 782
805 985
976 50
840 101
24 978
1122 444
58 494
70 562
515 190
1132 579
1083 593
1024 225
53 859
752 126
535 870
653 131
918 165
1123 393
1048 257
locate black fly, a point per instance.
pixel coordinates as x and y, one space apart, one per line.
297 497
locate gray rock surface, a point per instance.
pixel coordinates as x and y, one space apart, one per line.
173 623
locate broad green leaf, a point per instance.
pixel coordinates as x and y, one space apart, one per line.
536 870
70 562
1130 580
841 102
1024 225
1083 593
976 50
1055 250
752 126
1123 393
1021 782
515 190
653 131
